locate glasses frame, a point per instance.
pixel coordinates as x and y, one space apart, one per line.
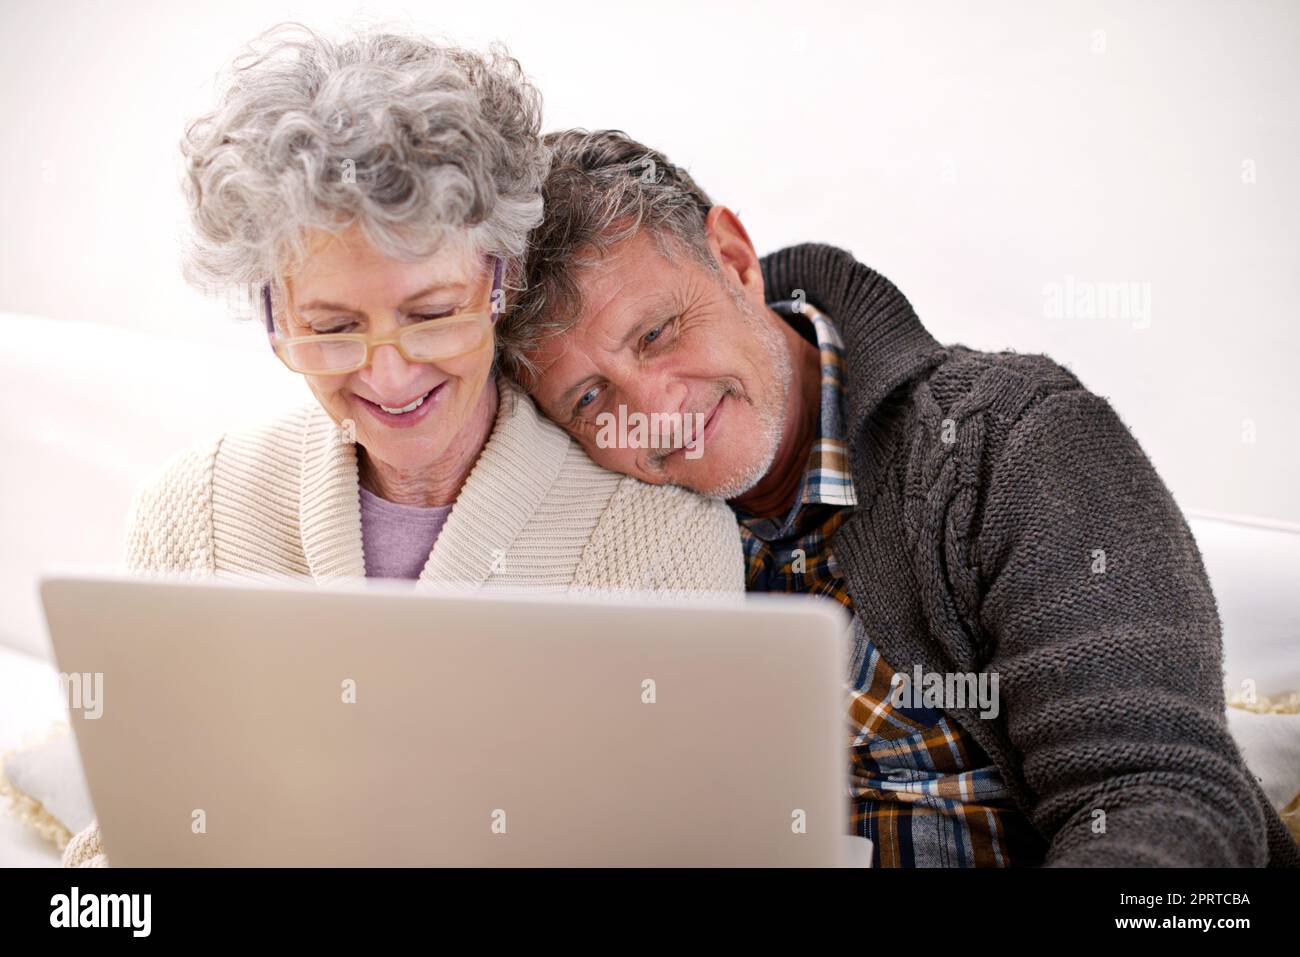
279 345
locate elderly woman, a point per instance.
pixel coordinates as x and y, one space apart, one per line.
377 194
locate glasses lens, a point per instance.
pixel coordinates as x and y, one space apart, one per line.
326 356
444 338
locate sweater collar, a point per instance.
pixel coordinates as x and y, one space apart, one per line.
885 344
509 480
329 503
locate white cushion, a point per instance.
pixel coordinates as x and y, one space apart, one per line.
30 710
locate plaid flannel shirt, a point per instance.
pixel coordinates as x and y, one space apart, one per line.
920 788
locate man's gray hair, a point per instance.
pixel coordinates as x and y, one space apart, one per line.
415 141
602 188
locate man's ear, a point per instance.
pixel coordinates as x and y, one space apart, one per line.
734 252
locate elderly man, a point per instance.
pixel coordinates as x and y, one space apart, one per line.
990 523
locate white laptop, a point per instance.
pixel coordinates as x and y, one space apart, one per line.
372 725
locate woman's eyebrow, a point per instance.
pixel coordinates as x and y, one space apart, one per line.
318 305
436 287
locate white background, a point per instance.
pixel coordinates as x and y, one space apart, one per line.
974 153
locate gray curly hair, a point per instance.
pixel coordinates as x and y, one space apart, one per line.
415 141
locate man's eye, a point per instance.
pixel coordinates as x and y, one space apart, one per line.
333 330
657 334
587 398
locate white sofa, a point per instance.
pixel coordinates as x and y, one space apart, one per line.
90 410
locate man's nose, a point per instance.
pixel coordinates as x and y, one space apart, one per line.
648 392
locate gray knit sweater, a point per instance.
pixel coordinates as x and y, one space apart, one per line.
1008 522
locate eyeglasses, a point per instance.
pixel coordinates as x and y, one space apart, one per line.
340 353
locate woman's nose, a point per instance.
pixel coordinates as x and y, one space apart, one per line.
389 374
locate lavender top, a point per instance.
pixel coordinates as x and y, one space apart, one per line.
397 539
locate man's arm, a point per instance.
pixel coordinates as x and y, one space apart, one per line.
1104 631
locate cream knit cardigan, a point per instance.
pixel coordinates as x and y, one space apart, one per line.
535 512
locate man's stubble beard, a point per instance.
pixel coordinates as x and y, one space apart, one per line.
771 410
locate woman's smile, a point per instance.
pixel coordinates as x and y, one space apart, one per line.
406 414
